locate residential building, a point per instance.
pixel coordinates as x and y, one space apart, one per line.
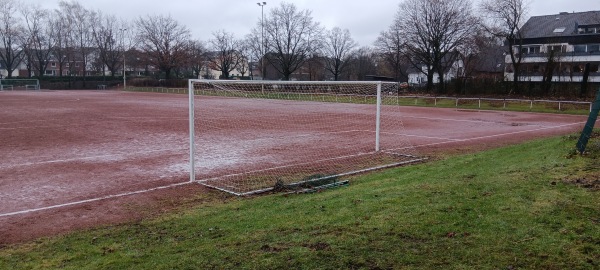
558 47
454 68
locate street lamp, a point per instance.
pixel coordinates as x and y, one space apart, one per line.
123 43
262 37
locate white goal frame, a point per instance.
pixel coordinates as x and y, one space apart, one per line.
26 84
376 138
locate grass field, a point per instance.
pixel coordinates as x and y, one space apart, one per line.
529 206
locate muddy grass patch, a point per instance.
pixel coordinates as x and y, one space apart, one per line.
591 181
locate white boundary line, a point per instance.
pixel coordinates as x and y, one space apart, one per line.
92 200
89 157
492 136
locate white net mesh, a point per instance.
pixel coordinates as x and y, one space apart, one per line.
257 136
19 84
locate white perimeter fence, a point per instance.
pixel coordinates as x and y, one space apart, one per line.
425 101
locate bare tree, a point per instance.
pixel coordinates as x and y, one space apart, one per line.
80 21
433 30
61 49
290 38
245 53
253 49
338 47
40 37
10 34
505 19
164 40
391 46
197 57
225 53
110 41
362 63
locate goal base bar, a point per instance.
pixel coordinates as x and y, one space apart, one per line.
376 168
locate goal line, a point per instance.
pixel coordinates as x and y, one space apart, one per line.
253 136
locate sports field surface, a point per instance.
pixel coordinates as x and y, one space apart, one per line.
73 159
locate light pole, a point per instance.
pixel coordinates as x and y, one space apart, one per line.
262 37
123 42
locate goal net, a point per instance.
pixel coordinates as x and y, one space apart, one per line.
254 136
19 84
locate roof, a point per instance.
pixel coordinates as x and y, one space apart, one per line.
559 25
491 59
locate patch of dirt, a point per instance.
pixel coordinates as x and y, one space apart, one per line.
591 182
318 246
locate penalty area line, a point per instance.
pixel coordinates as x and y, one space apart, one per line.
28 211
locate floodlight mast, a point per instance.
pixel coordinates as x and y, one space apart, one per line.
124 50
262 37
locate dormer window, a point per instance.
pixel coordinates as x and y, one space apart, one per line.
588 30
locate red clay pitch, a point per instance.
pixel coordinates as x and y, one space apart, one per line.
66 154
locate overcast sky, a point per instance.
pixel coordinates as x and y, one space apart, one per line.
364 19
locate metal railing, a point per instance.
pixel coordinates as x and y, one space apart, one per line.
533 105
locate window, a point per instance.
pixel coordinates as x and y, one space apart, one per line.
530 49
557 48
580 48
559 30
593 48
588 30
53 64
594 68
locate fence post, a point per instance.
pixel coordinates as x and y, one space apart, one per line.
378 117
559 106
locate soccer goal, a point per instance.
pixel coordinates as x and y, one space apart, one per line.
19 84
254 136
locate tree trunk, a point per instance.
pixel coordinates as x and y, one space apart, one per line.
584 82
430 74
442 84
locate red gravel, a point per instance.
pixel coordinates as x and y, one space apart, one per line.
60 147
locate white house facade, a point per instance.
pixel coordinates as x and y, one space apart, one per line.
419 77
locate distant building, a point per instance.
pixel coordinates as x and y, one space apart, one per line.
558 47
454 68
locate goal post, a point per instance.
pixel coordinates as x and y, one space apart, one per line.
254 136
19 84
